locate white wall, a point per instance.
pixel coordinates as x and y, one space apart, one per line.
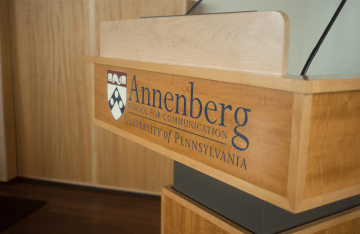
339 54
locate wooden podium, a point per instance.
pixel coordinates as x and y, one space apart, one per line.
212 93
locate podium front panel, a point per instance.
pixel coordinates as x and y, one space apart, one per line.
237 129
265 139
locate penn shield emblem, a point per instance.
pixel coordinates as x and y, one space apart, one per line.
116 91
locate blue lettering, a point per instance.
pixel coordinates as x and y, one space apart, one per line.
206 111
177 104
166 99
154 93
148 92
192 100
243 164
200 147
223 156
134 89
223 108
217 153
237 134
230 158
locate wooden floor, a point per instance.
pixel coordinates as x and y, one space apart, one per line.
75 209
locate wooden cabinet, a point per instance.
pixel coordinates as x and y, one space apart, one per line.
56 139
182 215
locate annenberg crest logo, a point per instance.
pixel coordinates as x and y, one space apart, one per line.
116 91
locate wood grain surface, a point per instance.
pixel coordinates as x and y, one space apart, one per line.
268 131
121 162
280 134
299 149
124 10
334 150
126 164
8 160
248 42
57 140
3 161
53 106
345 222
351 226
182 215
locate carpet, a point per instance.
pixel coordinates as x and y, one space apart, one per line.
13 210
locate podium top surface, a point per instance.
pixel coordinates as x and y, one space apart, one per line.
248 48
244 41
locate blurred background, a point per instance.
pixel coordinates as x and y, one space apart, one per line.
340 52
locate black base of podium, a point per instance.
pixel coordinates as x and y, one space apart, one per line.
250 212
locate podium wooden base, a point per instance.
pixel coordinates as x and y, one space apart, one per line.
182 215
